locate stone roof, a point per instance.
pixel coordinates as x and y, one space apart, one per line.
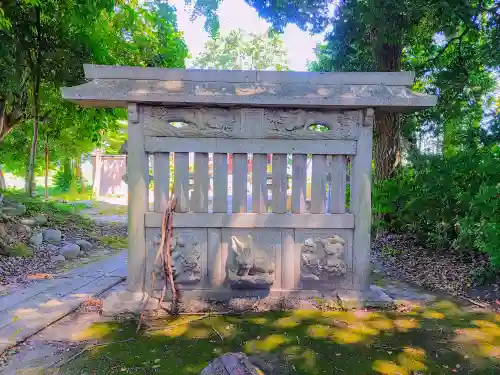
116 86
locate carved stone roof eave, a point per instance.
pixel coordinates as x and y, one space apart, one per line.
116 87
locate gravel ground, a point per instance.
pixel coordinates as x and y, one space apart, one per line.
451 272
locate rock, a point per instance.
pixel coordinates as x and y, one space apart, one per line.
40 219
52 248
84 245
28 222
24 229
52 235
57 258
14 209
36 239
70 251
231 364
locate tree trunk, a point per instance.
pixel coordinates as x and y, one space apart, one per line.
387 124
387 144
83 183
46 150
30 181
3 185
97 172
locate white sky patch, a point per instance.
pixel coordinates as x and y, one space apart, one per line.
234 14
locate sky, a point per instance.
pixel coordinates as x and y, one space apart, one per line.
234 14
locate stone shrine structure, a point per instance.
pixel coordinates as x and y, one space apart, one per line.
235 240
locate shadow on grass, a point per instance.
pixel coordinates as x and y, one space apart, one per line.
437 339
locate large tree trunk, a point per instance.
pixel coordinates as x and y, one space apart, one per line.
387 144
30 181
387 125
8 120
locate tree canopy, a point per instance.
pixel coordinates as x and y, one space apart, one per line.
43 46
453 45
241 50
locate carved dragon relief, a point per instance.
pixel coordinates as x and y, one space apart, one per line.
237 123
322 259
294 124
208 122
250 266
185 260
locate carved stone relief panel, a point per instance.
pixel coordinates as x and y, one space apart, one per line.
189 256
252 257
193 122
322 258
273 123
325 257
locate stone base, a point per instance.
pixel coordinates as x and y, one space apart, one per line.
374 297
125 302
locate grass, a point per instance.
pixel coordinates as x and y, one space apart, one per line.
115 242
55 193
438 339
57 213
21 250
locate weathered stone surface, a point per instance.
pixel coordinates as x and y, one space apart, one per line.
70 251
52 235
40 219
322 259
126 302
36 239
186 259
29 222
57 258
84 245
14 209
51 247
231 364
252 267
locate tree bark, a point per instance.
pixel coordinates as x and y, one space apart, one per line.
3 185
387 144
387 124
46 150
97 172
36 103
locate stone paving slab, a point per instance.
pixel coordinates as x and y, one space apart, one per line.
27 311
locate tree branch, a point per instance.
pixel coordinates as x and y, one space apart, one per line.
443 50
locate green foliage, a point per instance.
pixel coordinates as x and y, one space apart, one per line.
36 206
72 33
114 242
21 250
449 202
240 50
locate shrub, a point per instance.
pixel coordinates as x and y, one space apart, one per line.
448 202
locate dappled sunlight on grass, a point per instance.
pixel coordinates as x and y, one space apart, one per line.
94 332
266 344
435 339
482 342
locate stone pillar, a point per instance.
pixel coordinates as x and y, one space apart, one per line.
138 180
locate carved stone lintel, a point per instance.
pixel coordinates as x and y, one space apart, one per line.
267 123
323 259
252 267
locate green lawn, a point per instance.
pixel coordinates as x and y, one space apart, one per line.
438 339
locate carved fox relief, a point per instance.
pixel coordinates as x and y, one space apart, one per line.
251 266
251 260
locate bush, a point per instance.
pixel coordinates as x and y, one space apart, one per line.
448 202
